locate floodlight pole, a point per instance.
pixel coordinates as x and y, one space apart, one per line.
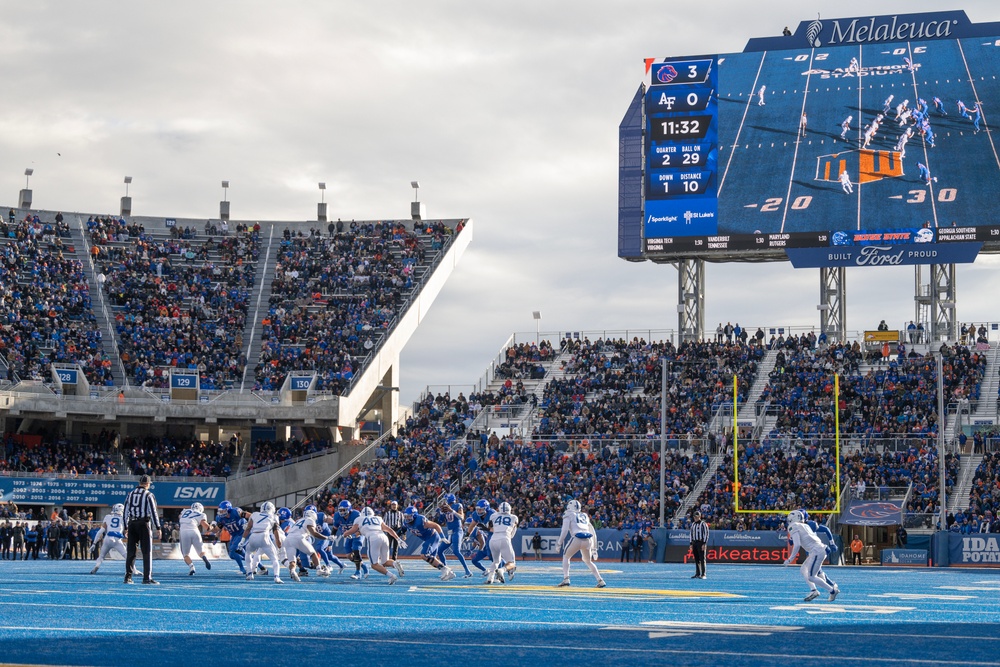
663 439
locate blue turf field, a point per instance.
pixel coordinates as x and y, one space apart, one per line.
56 613
773 181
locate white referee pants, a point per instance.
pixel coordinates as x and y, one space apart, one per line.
107 546
584 547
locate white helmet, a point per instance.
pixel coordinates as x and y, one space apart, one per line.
573 506
118 509
504 508
198 507
368 511
267 508
795 516
310 514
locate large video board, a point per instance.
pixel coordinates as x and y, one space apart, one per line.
870 136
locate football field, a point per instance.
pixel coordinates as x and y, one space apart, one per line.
56 613
773 179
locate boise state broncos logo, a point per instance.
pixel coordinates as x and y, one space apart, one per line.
666 74
812 33
875 511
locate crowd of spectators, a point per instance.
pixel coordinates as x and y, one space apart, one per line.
525 360
163 456
58 455
334 297
267 452
179 304
46 306
984 497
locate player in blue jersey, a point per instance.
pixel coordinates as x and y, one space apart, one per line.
483 514
345 518
233 520
432 535
962 110
978 110
454 519
939 105
323 544
480 546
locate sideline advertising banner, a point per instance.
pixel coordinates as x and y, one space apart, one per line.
905 557
731 546
977 550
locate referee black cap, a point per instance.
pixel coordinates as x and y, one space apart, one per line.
144 480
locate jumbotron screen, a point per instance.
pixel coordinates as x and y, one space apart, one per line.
847 134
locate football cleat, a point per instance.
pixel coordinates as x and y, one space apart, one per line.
834 593
601 584
564 582
812 596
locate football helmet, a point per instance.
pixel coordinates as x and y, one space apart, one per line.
118 509
344 508
198 507
309 508
482 507
795 516
450 499
409 513
368 511
573 506
267 508
309 514
284 513
504 508
224 507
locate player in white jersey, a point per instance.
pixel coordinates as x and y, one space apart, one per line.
261 536
760 96
846 127
845 182
887 104
374 530
113 531
300 537
192 521
802 536
903 138
503 526
582 538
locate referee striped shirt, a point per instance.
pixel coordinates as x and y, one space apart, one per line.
393 519
699 531
140 504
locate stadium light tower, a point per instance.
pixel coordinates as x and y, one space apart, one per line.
126 207
537 315
224 204
417 211
24 200
321 207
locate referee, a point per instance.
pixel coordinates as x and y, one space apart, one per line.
140 512
394 519
699 538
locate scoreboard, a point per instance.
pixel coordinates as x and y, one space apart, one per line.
765 155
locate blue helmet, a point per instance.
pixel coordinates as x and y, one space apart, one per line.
450 499
805 515
409 513
344 507
482 506
469 520
224 507
284 513
309 507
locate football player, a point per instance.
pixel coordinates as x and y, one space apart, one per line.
376 534
345 518
454 518
261 537
113 531
503 526
192 521
802 536
432 535
582 538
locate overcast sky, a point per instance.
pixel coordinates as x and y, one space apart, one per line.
506 112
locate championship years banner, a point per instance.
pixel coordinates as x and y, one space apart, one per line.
87 491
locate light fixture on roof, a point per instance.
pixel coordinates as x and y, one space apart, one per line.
417 211
126 206
224 204
537 315
321 207
24 200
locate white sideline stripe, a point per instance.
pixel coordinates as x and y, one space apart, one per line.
227 612
825 659
739 131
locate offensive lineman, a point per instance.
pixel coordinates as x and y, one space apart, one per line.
375 532
582 538
503 525
192 521
432 536
345 517
802 536
113 531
